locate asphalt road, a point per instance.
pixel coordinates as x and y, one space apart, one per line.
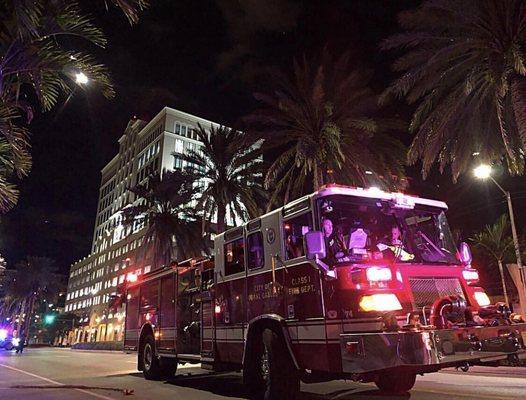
59 374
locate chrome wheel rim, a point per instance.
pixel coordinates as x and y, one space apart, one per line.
148 357
265 365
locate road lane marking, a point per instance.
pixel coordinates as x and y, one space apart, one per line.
99 396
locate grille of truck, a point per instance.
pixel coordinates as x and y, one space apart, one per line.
427 290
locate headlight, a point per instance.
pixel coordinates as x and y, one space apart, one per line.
380 302
3 334
482 299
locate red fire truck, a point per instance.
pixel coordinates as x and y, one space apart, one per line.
345 283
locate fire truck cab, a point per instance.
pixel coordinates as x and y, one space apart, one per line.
344 283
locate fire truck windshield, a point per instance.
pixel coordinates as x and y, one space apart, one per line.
361 230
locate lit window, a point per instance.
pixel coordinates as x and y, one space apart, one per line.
178 146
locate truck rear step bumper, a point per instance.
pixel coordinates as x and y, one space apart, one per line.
366 352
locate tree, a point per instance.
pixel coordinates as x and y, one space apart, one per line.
35 280
130 8
495 240
172 231
463 69
325 122
38 64
227 171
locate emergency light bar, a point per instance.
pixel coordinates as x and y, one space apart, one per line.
402 201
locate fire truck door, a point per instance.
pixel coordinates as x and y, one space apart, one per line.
264 272
207 317
188 329
166 339
302 283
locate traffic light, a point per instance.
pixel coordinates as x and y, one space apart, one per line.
49 319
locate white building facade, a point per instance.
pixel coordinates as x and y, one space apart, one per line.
144 149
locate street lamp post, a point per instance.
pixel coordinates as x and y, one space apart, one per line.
483 171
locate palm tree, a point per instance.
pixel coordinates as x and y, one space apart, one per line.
496 241
324 121
165 207
463 69
130 8
36 279
228 171
35 63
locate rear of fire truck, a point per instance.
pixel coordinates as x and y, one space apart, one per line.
391 258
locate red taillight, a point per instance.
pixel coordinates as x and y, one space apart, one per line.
217 309
354 348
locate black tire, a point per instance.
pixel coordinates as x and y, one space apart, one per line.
153 368
269 373
9 346
396 383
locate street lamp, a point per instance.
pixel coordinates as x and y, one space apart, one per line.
483 171
81 78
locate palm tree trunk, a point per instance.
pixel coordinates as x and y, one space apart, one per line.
501 270
221 218
316 173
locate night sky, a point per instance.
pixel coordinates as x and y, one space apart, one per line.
207 58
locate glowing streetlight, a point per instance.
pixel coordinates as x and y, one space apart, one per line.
81 78
483 171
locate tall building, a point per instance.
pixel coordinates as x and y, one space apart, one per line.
144 148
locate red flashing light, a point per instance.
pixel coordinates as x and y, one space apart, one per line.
132 278
377 274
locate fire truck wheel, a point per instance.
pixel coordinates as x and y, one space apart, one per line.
270 373
152 369
396 383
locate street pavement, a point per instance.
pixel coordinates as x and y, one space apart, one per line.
59 374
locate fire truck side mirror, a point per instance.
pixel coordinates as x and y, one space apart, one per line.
315 245
465 253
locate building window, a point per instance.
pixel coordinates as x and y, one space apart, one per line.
178 163
177 128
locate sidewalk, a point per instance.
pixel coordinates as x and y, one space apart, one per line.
106 346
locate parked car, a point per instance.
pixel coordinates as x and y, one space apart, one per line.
7 341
